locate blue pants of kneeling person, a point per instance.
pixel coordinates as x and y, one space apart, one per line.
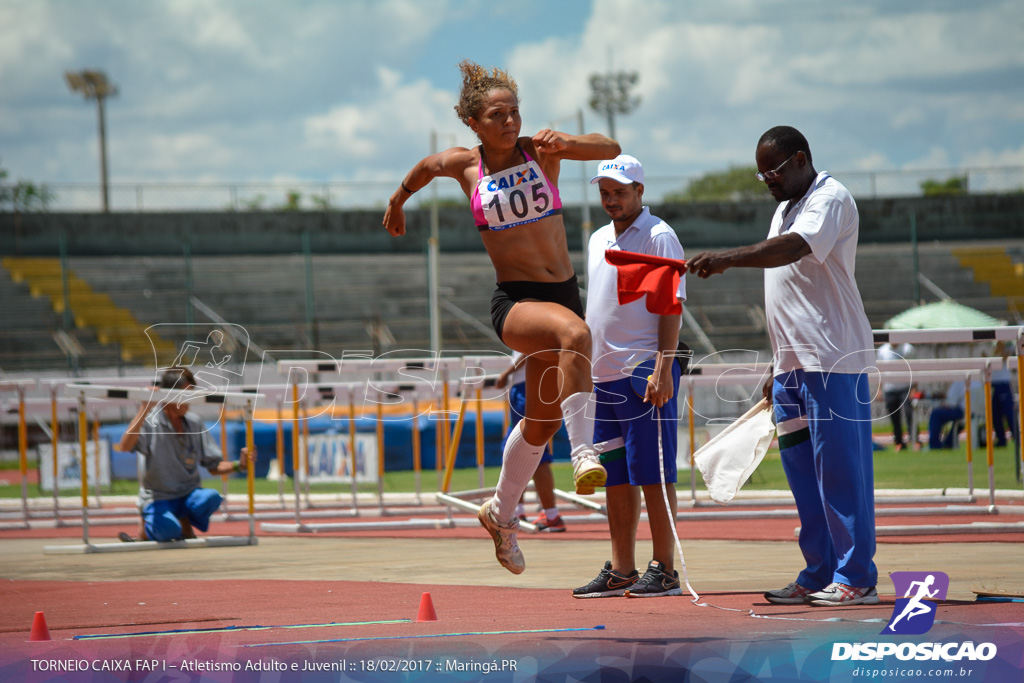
162 517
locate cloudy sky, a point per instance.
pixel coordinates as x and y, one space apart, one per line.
341 90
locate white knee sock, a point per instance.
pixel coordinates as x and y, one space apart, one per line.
519 462
578 412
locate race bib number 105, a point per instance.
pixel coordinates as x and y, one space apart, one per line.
518 195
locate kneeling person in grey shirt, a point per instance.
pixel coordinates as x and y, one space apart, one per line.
174 445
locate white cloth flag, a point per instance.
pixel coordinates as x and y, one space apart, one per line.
727 460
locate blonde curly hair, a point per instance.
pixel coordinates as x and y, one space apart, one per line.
477 83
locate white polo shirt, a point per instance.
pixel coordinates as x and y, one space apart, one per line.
625 335
816 318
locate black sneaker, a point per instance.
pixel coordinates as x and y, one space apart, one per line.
608 584
655 583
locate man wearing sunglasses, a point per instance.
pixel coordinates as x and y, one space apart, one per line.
821 344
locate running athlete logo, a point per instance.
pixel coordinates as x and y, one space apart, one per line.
913 613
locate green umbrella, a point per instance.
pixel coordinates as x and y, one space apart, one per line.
942 314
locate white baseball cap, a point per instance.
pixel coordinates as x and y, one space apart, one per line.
623 168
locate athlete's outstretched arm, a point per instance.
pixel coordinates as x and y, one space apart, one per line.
590 147
447 164
770 253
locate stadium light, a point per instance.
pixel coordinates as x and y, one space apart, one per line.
94 85
610 95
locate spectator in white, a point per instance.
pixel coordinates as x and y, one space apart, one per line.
898 405
175 443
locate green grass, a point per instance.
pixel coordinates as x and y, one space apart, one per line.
911 470
905 470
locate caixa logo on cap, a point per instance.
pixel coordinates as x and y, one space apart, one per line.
914 613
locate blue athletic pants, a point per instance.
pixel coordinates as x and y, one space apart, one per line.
830 471
162 516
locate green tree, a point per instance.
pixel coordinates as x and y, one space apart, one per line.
321 202
954 186
737 183
293 201
255 203
24 195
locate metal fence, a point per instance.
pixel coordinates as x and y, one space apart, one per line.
574 188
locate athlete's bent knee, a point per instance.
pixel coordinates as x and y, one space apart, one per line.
576 339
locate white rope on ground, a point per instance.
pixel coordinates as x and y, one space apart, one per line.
668 509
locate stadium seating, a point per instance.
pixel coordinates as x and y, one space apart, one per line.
78 304
996 266
115 298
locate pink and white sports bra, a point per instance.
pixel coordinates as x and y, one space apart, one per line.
515 196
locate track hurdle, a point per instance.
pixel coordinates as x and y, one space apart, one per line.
475 385
283 393
479 375
924 369
1020 400
289 393
985 365
434 371
148 394
36 516
54 387
346 392
20 387
1013 334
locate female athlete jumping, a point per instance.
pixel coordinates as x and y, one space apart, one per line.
512 185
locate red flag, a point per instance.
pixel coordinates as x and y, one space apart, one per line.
654 276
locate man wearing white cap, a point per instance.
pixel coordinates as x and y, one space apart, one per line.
629 414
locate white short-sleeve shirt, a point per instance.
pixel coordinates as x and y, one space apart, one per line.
625 335
816 318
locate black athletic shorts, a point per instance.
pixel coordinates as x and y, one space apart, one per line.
508 293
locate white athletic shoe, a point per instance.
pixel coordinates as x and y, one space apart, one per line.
506 549
841 595
587 471
792 594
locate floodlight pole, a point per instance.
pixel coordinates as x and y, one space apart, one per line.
610 95
101 113
588 226
433 259
94 86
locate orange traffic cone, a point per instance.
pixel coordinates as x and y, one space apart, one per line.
39 630
426 612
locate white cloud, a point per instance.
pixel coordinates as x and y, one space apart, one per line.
390 129
937 157
990 157
714 77
323 90
871 162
